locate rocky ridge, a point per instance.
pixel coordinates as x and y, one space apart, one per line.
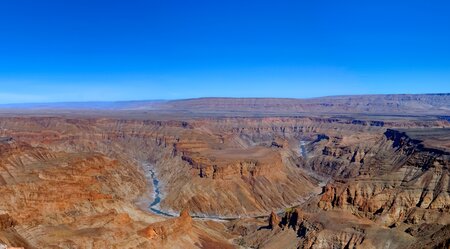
71 177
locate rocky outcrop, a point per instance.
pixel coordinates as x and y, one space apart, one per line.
266 177
274 220
418 180
45 192
166 229
328 239
81 176
431 235
292 219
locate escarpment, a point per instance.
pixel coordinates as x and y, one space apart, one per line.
266 176
410 189
300 228
46 192
330 182
416 178
383 186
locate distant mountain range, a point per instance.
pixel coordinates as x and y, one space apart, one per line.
393 104
95 105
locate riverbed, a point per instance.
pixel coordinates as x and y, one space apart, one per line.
155 207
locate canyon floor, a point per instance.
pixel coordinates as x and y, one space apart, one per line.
336 172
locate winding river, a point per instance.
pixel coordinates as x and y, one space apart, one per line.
155 208
303 152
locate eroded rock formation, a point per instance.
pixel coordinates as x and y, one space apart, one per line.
357 184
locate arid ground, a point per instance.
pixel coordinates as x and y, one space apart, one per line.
336 172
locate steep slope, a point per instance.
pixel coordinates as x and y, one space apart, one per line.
74 177
386 191
58 199
195 160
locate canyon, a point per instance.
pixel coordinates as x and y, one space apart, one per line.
335 172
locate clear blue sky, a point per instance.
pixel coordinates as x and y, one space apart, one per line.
67 50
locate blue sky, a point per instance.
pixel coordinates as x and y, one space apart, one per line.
129 50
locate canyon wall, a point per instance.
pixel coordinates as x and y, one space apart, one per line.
63 179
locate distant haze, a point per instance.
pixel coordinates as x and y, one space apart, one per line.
391 105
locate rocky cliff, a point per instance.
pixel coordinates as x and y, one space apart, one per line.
350 181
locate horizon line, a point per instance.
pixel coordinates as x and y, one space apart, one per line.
209 97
